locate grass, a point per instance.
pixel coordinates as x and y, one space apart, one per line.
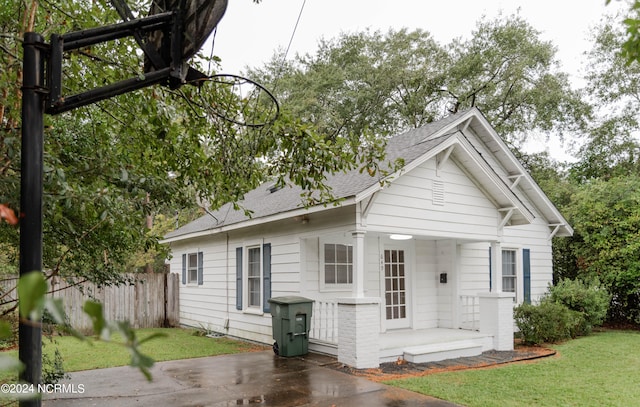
176 344
598 370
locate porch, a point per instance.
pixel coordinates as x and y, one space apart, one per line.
412 345
432 345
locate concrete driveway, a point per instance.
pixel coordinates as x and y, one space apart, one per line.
255 378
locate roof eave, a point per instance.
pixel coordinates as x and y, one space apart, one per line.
539 198
259 221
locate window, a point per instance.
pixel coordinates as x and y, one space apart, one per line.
192 268
253 278
516 273
509 271
338 263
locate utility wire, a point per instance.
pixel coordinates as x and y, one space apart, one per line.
284 57
213 45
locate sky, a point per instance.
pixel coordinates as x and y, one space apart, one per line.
249 33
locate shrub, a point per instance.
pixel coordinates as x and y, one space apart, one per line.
547 322
590 299
11 318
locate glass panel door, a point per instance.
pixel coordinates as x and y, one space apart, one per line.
395 288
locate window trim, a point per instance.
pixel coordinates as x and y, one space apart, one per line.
199 269
246 278
321 263
241 267
519 278
192 269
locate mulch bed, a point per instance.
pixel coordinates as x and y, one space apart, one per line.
402 369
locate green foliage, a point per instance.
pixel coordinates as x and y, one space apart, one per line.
34 302
630 49
612 148
512 75
53 367
154 257
590 299
547 322
604 200
606 218
109 165
8 330
389 82
571 308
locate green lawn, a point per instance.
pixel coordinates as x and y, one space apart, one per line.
598 370
177 344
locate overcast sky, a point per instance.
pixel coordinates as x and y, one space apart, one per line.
249 33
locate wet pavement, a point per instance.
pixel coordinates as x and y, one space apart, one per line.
254 378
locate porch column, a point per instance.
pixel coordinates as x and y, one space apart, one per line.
496 318
359 332
496 267
358 264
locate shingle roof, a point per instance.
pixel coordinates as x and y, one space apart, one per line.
262 202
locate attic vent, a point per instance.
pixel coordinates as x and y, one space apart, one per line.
273 188
438 193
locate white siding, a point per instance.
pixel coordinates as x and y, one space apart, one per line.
203 306
536 238
294 263
473 268
474 260
406 206
447 306
425 285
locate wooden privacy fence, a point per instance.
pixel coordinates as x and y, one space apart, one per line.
150 302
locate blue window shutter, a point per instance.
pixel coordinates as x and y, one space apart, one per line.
526 274
490 279
239 278
200 266
184 269
266 276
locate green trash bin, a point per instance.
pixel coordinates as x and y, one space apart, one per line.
291 322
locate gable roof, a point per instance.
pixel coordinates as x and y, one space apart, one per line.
444 137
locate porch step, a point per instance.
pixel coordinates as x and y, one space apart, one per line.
441 351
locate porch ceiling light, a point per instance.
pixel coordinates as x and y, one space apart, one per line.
400 237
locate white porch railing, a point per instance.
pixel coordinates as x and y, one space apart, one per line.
470 312
324 321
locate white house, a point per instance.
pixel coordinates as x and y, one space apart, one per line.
426 266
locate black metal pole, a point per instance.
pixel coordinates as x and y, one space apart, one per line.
30 333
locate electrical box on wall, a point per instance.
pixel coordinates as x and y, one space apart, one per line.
443 278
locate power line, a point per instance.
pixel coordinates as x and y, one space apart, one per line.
284 57
213 44
295 28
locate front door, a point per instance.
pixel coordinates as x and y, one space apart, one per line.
396 310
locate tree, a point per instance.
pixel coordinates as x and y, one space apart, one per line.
603 207
362 80
506 70
391 82
630 49
606 217
109 164
613 147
